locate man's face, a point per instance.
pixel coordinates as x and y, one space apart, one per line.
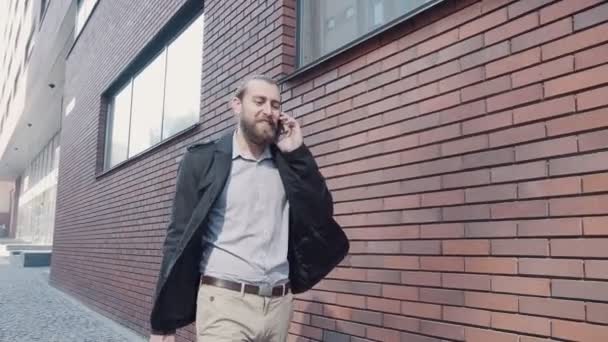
258 112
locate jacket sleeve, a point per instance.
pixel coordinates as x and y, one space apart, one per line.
184 202
309 184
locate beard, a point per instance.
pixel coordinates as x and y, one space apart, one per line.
259 132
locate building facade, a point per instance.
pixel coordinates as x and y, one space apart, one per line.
464 143
34 47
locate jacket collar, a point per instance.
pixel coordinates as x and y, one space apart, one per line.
225 145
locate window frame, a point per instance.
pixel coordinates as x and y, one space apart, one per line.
129 78
301 68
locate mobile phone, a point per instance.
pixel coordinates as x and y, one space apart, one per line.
280 129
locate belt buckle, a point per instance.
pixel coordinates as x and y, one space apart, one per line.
265 290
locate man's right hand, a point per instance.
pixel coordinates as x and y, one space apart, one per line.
162 338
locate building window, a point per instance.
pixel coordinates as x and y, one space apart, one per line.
83 11
161 100
328 26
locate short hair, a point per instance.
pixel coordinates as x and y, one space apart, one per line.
242 87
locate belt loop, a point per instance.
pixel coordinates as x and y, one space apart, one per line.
284 289
242 289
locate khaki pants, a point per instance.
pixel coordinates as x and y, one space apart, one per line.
226 315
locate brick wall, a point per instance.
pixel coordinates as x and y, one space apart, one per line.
464 149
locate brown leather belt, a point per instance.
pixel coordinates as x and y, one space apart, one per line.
265 291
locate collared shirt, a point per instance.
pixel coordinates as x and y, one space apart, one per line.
248 226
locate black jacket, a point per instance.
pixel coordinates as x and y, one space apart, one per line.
316 242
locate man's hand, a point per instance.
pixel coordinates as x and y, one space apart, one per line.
291 138
162 338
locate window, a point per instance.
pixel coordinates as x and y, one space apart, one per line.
161 100
83 11
325 26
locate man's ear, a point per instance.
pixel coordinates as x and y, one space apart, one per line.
237 106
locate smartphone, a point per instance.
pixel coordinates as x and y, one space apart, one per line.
280 129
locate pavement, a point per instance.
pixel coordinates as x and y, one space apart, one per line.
32 310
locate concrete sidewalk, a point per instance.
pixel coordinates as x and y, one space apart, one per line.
32 310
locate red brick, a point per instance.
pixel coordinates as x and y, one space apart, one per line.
545 109
597 313
442 230
552 307
564 8
443 198
400 292
384 305
491 193
513 63
351 328
421 247
305 330
596 269
551 227
519 285
576 289
378 334
550 187
484 56
551 267
490 5
398 59
491 229
421 278
487 123
421 310
464 145
466 316
491 265
521 323
575 42
516 97
520 7
466 281
517 135
591 17
488 158
400 261
588 205
469 110
543 71
462 79
592 98
492 301
480 335
595 183
580 163
484 89
442 296
541 35
591 57
511 29
451 331
470 212
401 202
483 23
576 81
438 72
437 43
442 263
519 209
595 225
466 179
466 247
386 233
575 331
401 322
440 134
592 141
387 276
439 102
323 323
586 248
521 247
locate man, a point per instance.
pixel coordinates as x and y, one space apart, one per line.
251 225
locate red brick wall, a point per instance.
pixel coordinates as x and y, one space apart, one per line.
467 161
464 149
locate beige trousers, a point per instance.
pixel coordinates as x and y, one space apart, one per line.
225 315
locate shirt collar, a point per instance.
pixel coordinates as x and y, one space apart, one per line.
236 151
